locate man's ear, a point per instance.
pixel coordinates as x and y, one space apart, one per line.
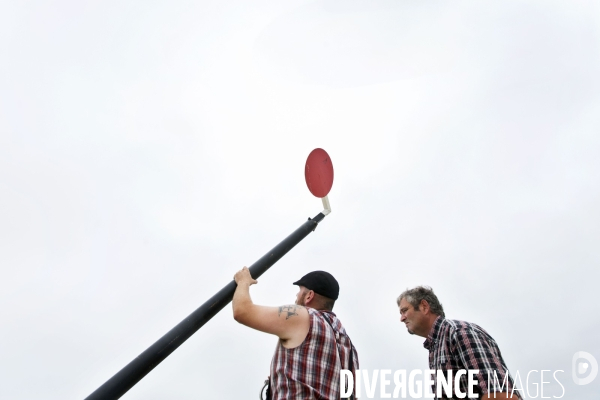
310 296
424 306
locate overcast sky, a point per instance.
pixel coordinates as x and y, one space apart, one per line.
149 150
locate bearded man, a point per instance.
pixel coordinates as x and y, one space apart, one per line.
313 346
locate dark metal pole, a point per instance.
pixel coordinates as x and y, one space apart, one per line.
133 372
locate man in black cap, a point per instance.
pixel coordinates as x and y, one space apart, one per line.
313 346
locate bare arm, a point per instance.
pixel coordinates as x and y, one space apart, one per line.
290 323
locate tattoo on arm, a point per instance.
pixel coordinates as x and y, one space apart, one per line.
290 311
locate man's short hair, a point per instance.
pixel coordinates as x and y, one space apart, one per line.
324 303
415 295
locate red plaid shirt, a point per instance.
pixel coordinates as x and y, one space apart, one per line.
455 345
312 370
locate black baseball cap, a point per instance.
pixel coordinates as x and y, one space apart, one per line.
320 282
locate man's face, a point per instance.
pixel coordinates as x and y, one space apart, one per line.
301 296
413 319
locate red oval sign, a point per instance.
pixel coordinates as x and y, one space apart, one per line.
318 173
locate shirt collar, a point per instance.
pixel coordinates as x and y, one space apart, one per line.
434 333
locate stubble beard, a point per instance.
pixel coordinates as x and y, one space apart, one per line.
301 302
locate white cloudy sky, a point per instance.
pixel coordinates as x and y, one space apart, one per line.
148 150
